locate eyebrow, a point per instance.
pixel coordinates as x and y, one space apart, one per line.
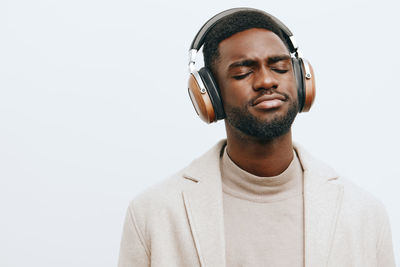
242 63
274 59
250 62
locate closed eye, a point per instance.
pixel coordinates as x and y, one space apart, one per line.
280 70
241 76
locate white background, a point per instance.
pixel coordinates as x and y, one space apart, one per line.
94 109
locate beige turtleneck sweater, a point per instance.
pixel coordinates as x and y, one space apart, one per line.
263 216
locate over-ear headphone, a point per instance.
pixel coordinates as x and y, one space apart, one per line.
203 90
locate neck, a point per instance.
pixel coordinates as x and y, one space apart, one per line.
260 157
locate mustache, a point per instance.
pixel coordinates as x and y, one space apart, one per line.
269 92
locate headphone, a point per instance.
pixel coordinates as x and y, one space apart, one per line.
204 92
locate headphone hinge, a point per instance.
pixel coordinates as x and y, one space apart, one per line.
307 70
294 43
298 53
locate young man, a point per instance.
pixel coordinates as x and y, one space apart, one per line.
255 199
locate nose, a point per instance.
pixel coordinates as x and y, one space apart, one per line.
265 80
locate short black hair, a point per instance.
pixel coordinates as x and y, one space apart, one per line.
234 23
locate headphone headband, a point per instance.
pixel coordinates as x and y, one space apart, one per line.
200 36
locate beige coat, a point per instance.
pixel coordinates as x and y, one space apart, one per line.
180 221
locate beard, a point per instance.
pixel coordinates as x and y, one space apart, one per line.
263 130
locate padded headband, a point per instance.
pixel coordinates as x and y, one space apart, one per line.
200 36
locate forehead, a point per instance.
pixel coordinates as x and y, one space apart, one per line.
253 43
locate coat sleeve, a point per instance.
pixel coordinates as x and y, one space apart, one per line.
133 250
385 254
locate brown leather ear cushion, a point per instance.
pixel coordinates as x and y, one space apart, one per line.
213 91
310 89
201 101
298 75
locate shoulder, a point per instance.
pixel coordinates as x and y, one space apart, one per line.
161 195
358 201
361 226
167 195
160 208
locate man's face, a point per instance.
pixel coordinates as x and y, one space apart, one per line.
255 76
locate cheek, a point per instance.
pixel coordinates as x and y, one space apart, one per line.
234 93
290 86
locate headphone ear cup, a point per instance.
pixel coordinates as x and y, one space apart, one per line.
305 79
309 84
213 92
200 98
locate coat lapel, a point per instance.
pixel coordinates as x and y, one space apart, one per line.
204 208
322 201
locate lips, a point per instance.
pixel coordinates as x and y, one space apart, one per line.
269 101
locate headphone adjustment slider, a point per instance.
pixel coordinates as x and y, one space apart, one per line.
192 60
192 55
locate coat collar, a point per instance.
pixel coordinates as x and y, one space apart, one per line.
316 172
204 207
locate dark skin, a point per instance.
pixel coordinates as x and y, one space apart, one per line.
252 63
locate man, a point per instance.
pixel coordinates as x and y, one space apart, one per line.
255 199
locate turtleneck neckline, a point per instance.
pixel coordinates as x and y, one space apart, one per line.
242 184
